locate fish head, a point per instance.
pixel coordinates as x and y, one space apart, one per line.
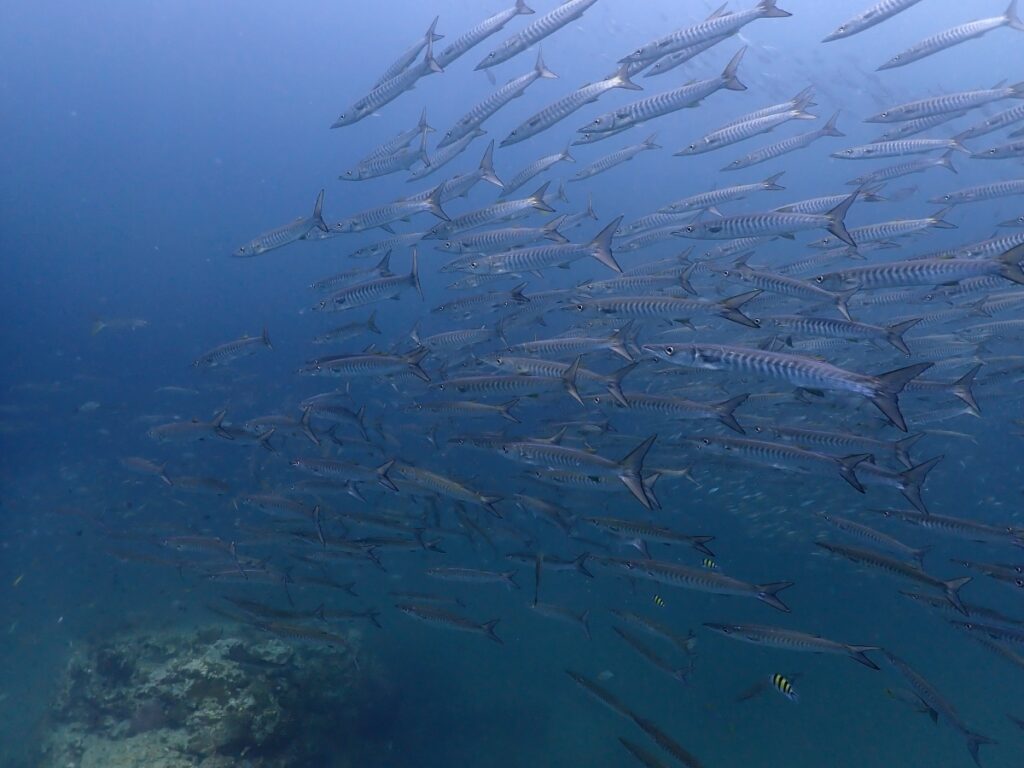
693 229
243 251
352 174
680 354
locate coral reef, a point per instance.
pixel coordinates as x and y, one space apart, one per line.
211 698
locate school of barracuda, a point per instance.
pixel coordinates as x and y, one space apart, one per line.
833 356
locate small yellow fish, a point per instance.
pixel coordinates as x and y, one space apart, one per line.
784 687
658 601
708 563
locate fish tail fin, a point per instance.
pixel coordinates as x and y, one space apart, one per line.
962 389
617 342
371 323
771 183
730 308
486 167
216 424
724 412
414 273
649 482
307 430
384 265
843 301
541 69
975 740
1010 264
631 470
522 9
551 230
684 278
894 334
423 126
413 360
902 449
601 246
424 157
889 386
265 338
372 615
569 380
428 57
537 198
700 544
590 213
919 553
952 590
567 154
318 213
804 99
649 142
622 80
937 221
488 629
768 593
913 479
382 475
946 161
829 129
837 219
431 34
585 623
729 73
857 654
581 565
265 440
506 410
614 383
848 466
509 577
768 9
1012 18
361 422
433 203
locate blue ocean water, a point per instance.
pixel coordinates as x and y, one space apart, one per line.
144 142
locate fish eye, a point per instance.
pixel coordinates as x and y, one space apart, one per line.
690 228
473 264
693 146
726 273
579 307
885 114
706 441
819 279
670 351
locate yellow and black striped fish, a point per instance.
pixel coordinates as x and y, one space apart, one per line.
784 687
708 563
659 601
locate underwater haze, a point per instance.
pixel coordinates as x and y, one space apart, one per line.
582 383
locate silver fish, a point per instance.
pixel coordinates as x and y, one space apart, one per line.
954 36
300 229
536 31
785 146
869 17
881 390
511 90
481 32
